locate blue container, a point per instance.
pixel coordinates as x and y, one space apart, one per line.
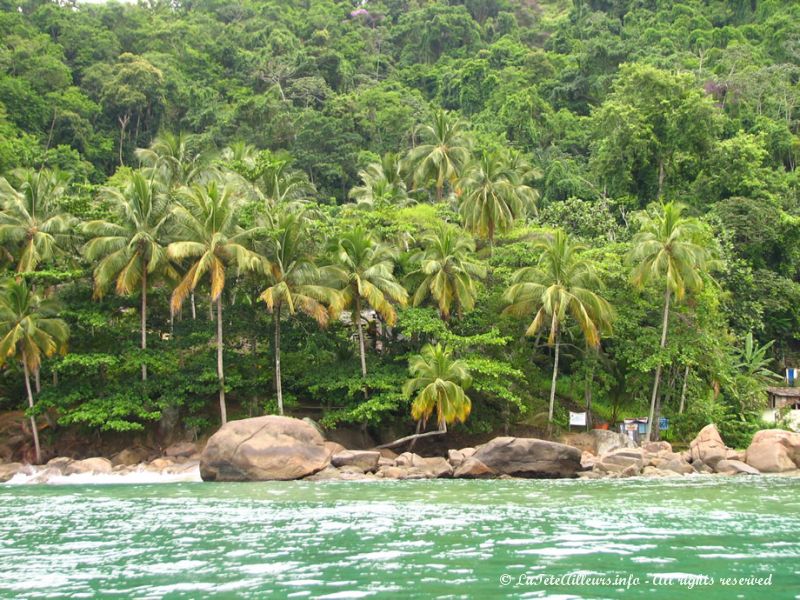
663 424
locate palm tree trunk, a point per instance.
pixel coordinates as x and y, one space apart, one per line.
278 387
144 320
194 308
210 309
414 441
555 377
37 381
683 390
657 381
357 317
587 393
30 404
220 369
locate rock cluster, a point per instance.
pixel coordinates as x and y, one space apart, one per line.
283 448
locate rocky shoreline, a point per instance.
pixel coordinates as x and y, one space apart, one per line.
282 448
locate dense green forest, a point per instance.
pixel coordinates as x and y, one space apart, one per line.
540 205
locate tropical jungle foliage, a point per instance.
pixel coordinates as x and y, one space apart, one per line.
290 201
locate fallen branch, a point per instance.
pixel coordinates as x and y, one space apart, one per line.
408 438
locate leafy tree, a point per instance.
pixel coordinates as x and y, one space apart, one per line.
651 121
174 156
752 360
381 183
294 282
442 154
32 224
440 383
494 196
363 269
672 248
133 247
208 233
29 330
448 270
561 285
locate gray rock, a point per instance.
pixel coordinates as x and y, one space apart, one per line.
334 447
529 457
774 451
605 441
649 471
617 461
181 450
472 468
130 457
402 473
366 460
436 466
89 465
735 467
677 465
700 467
657 447
8 470
329 473
60 462
264 448
708 446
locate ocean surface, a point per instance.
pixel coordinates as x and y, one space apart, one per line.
698 537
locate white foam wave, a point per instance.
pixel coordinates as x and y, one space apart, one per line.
139 476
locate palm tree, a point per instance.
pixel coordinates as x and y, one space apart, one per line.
363 272
443 153
131 249
494 196
174 156
561 285
670 247
448 270
294 282
209 235
29 330
381 183
31 221
440 382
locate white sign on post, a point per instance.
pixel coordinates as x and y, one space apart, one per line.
577 419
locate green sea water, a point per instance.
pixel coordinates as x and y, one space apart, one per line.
414 539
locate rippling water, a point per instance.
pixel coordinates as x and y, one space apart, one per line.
412 539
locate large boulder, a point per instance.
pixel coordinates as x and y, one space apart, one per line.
708 446
529 457
605 441
623 460
405 472
658 448
334 447
436 466
774 451
472 468
366 460
130 457
89 465
262 449
456 457
181 450
8 470
735 467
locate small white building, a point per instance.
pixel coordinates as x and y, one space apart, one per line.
783 405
